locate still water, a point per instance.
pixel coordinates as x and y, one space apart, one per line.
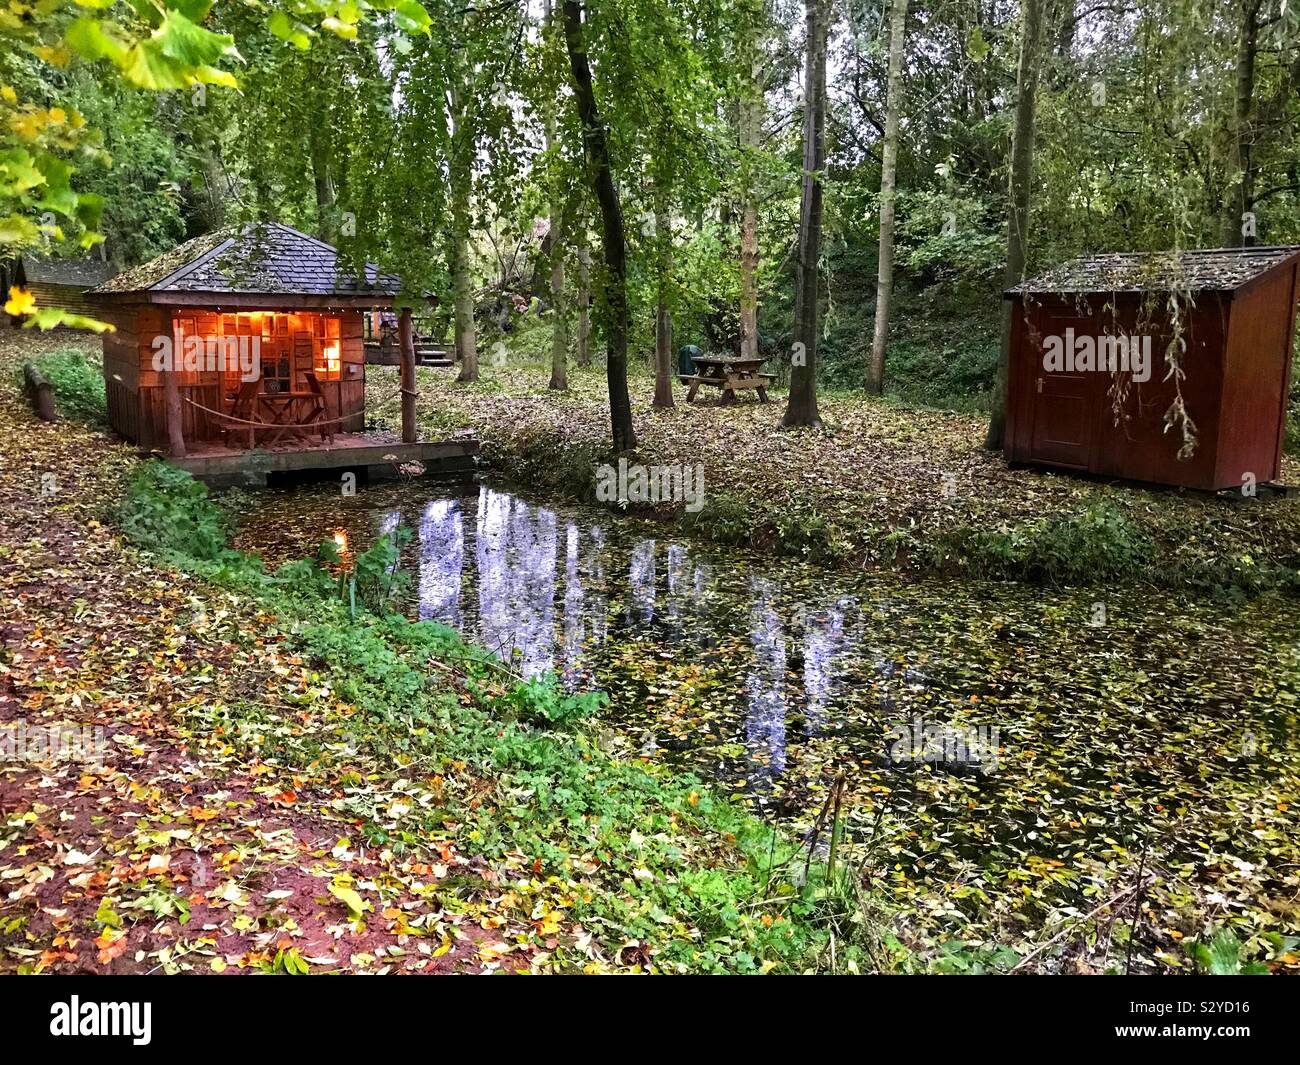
1069 731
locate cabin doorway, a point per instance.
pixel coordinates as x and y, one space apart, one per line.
1064 403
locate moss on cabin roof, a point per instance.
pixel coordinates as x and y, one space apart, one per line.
146 275
1208 270
255 258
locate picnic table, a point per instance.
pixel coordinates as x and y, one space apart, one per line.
731 373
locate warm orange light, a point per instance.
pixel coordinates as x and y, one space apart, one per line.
332 358
341 540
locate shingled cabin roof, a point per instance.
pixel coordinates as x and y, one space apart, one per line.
255 258
74 273
1209 270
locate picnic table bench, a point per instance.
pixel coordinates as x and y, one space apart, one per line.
731 373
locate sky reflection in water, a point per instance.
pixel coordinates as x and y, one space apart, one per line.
544 592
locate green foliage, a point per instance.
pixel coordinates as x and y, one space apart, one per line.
1221 954
943 349
952 238
374 580
950 364
142 173
78 385
957 958
541 701
170 45
725 520
167 510
529 341
1098 543
286 963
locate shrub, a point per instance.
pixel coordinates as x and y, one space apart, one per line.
541 701
726 520
166 509
78 385
374 580
1099 543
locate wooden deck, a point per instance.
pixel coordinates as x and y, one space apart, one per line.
370 457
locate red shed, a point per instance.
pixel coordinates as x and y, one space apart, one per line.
1165 367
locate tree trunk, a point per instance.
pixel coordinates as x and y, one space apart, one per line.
1239 193
584 301
559 327
559 322
460 172
750 120
749 279
801 408
319 149
663 321
613 240
888 173
216 189
1022 167
406 374
663 355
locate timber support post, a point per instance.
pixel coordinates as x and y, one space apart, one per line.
175 428
406 338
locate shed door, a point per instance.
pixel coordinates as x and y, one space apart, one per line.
1064 403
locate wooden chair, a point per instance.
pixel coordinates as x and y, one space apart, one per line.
322 407
245 408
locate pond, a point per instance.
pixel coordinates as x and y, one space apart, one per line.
1013 754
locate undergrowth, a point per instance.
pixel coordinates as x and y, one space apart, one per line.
78 386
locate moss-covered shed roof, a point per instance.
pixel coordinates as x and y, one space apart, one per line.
255 258
1208 270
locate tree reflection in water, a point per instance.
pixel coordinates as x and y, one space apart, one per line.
540 617
765 685
442 562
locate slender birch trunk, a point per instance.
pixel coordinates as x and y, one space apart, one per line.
888 196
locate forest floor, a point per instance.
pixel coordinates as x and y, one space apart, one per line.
280 788
882 485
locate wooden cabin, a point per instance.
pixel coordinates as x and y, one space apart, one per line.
244 337
1090 388
56 282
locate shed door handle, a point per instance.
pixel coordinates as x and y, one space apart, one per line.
1040 384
